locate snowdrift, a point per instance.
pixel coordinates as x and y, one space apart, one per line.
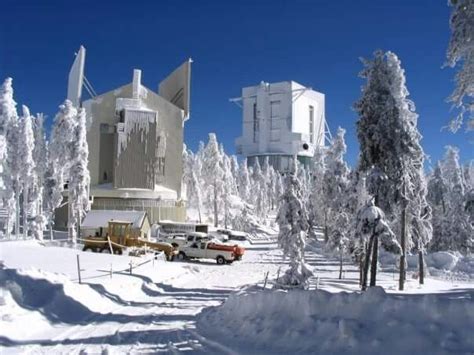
320 322
440 264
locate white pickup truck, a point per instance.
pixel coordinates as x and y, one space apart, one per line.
182 239
206 250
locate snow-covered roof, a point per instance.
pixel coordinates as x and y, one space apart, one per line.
100 218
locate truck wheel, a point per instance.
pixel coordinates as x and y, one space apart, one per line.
220 260
181 256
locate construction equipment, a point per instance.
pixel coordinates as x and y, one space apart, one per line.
119 237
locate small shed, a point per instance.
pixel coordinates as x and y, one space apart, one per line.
97 221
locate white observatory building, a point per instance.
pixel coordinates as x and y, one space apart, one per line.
280 120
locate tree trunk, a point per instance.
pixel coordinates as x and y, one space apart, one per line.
340 265
17 216
216 218
366 264
199 212
375 259
70 218
25 214
51 228
326 232
401 282
421 267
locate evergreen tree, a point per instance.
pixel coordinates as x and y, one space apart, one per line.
336 183
8 120
79 178
390 148
292 219
461 51
316 201
213 175
27 165
244 182
40 157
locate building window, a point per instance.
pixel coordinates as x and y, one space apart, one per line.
274 121
311 124
255 123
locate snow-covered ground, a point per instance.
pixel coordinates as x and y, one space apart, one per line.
200 306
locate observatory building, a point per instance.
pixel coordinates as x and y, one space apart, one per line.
135 138
280 120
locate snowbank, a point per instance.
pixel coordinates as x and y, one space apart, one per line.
321 322
440 264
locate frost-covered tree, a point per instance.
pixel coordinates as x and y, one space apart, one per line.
245 186
259 189
27 164
8 120
40 157
335 185
448 198
316 201
461 52
213 175
372 227
228 188
390 148
79 177
292 219
437 195
63 136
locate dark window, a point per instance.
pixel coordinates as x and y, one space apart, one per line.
255 122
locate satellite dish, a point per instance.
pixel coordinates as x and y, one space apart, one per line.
76 78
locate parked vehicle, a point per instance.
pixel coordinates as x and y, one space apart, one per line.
182 239
234 235
207 250
120 237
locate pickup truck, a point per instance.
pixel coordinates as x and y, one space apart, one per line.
191 239
183 239
207 250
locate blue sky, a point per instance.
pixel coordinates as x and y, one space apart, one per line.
233 44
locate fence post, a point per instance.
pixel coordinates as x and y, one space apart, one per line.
317 283
110 245
278 273
79 269
130 267
265 283
111 272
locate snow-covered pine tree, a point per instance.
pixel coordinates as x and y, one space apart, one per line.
437 195
292 219
63 135
228 188
458 233
40 157
259 188
79 177
372 226
390 144
461 51
213 175
8 119
336 183
27 165
244 182
316 201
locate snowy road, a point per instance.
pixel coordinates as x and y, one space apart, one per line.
45 310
